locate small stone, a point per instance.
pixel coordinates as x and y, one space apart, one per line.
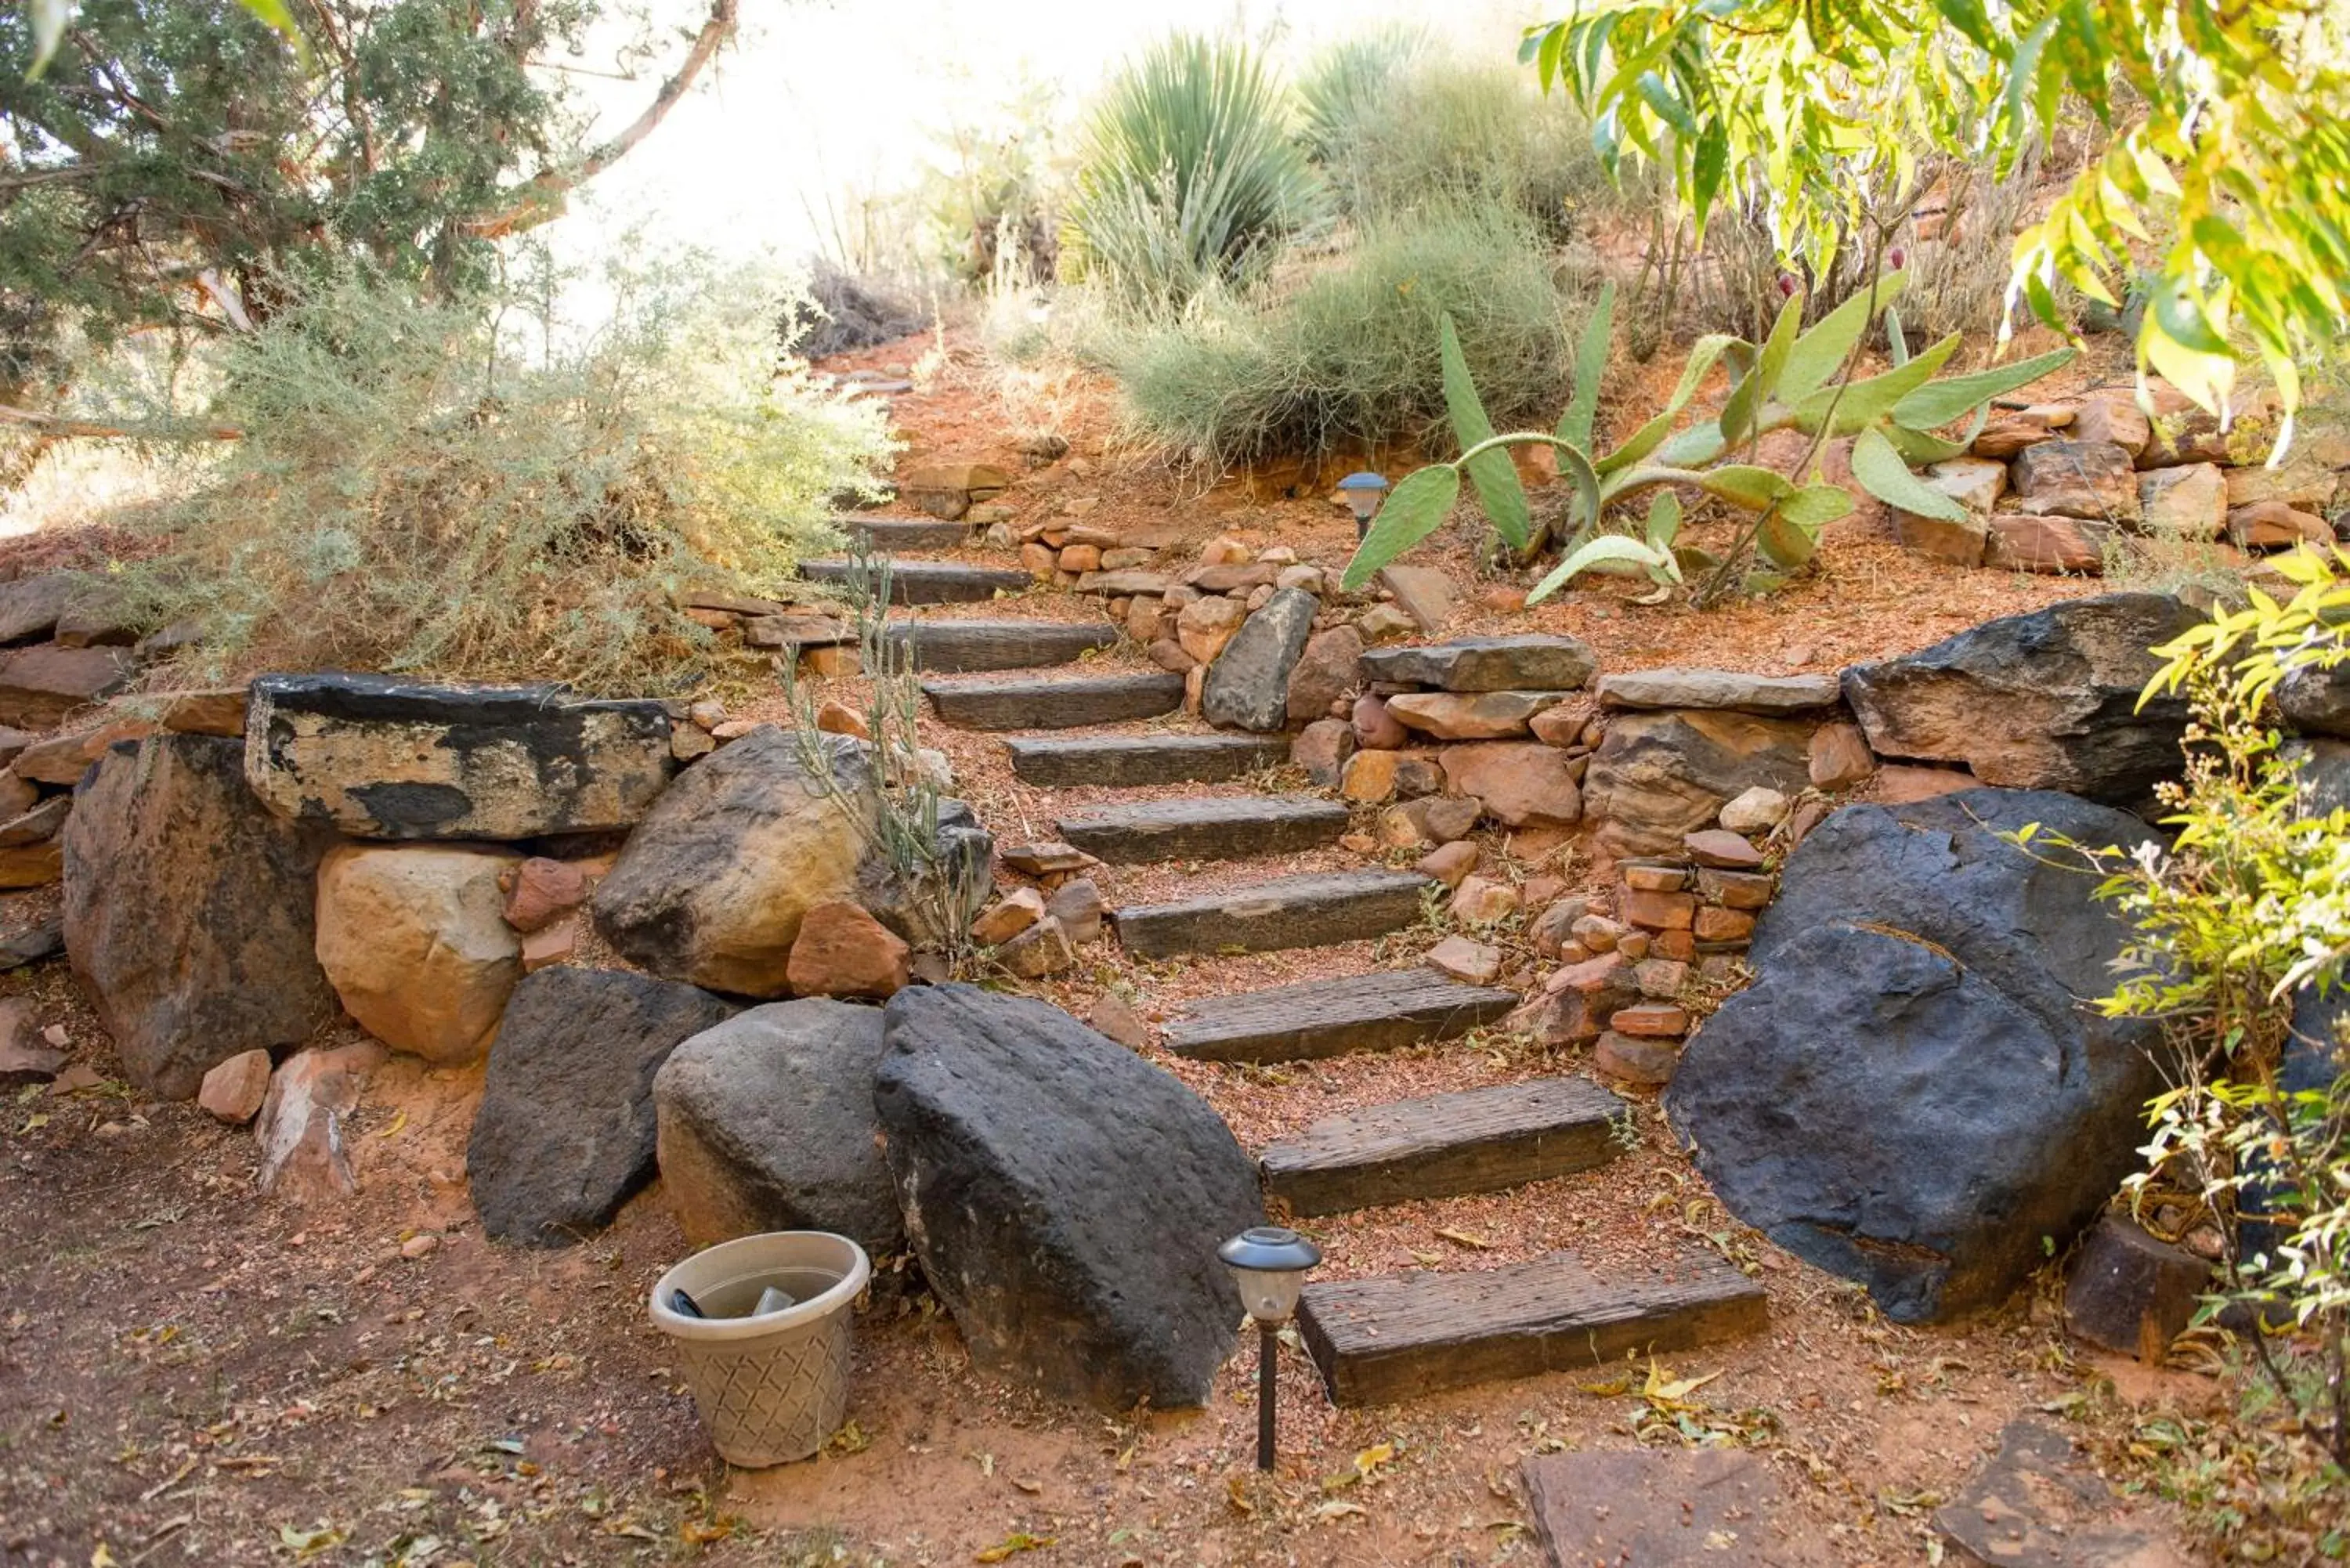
2190 503
1376 729
2095 480
842 951
1042 949
1563 723
1370 776
1398 830
1721 847
2114 417
1470 716
1597 932
1637 1059
688 741
421 1245
1901 785
2274 526
1960 541
1307 577
709 712
1756 810
1115 1020
829 664
232 1090
1385 623
1650 1020
1008 917
1322 749
736 729
1734 890
2009 434
1416 777
1039 560
1206 624
1634 945
1713 925
2053 546
1223 550
837 718
1553 928
1660 977
1839 756
216 711
1448 862
540 891
1465 959
1359 843
1078 906
1169 655
1442 819
1423 593
1046 858
1325 672
1481 901
1080 558
1652 876
1522 783
1657 911
549 946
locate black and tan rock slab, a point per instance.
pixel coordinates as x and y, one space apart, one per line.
954 647
922 582
1125 761
1383 1011
1288 912
1041 704
1214 827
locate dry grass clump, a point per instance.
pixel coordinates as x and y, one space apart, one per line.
411 494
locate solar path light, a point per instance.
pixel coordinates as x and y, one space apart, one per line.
1269 1264
1363 493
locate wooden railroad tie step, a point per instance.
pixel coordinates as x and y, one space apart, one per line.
1383 1011
1288 912
1212 827
953 647
921 582
887 534
1039 703
1399 1337
1121 762
1446 1146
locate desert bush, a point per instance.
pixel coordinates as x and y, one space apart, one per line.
1188 177
996 181
410 494
1441 131
1344 85
1348 358
842 311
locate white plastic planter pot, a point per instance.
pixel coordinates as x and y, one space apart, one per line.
770 1388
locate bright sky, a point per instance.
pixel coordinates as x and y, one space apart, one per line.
820 96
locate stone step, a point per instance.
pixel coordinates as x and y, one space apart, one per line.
1212 827
1446 1146
1125 761
952 647
923 582
1288 912
1383 1011
1036 703
886 534
1399 1336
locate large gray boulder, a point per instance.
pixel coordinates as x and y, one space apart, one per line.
379 757
189 911
2316 701
565 1132
766 1122
1247 687
1918 1091
1064 1197
712 884
2044 701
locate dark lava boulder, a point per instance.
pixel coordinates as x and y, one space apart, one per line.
1918 1091
1064 1197
1247 687
189 911
2044 701
767 1124
565 1132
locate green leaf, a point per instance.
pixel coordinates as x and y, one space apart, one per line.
1607 547
1576 468
2183 320
49 18
1737 412
1415 509
1590 365
1814 506
1970 17
1819 353
1864 402
1779 345
1644 441
1896 342
1695 447
1940 403
1664 520
1707 169
1498 492
1655 92
1883 474
1744 484
1918 448
278 15
1785 545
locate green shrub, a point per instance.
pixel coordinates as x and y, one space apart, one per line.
1346 83
1350 357
411 494
1438 131
1188 178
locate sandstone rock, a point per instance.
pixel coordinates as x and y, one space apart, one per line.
1898 786
1448 862
1152 585
218 710
189 911
1721 849
2042 1501
765 1122
1658 776
1385 623
40 685
232 1090
63 759
712 884
2132 1293
1248 685
2190 503
1756 810
2044 701
1376 729
29 606
1442 818
1839 756
1042 949
1735 889
1976 484
1575 1002
2076 479
688 743
1519 782
1912 1094
1423 593
1223 550
818 664
1207 624
1325 672
2006 436
16 797
1473 664
1014 1136
550 946
837 718
414 940
1078 907
1370 776
383 758
1562 724
1465 959
565 1132
1656 911
843 951
1309 578
1646 1060
1047 859
1480 716
2112 418
1722 925
2274 526
1322 749
1481 901
300 1125
2057 547
1168 654
540 891
2303 485
1962 542
1114 1020
1718 689
25 1057
1008 917
1239 581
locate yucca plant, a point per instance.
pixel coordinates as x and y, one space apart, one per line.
1793 379
1188 177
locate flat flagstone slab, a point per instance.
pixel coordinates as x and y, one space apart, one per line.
1383 1011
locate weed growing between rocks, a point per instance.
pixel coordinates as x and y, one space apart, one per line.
416 490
